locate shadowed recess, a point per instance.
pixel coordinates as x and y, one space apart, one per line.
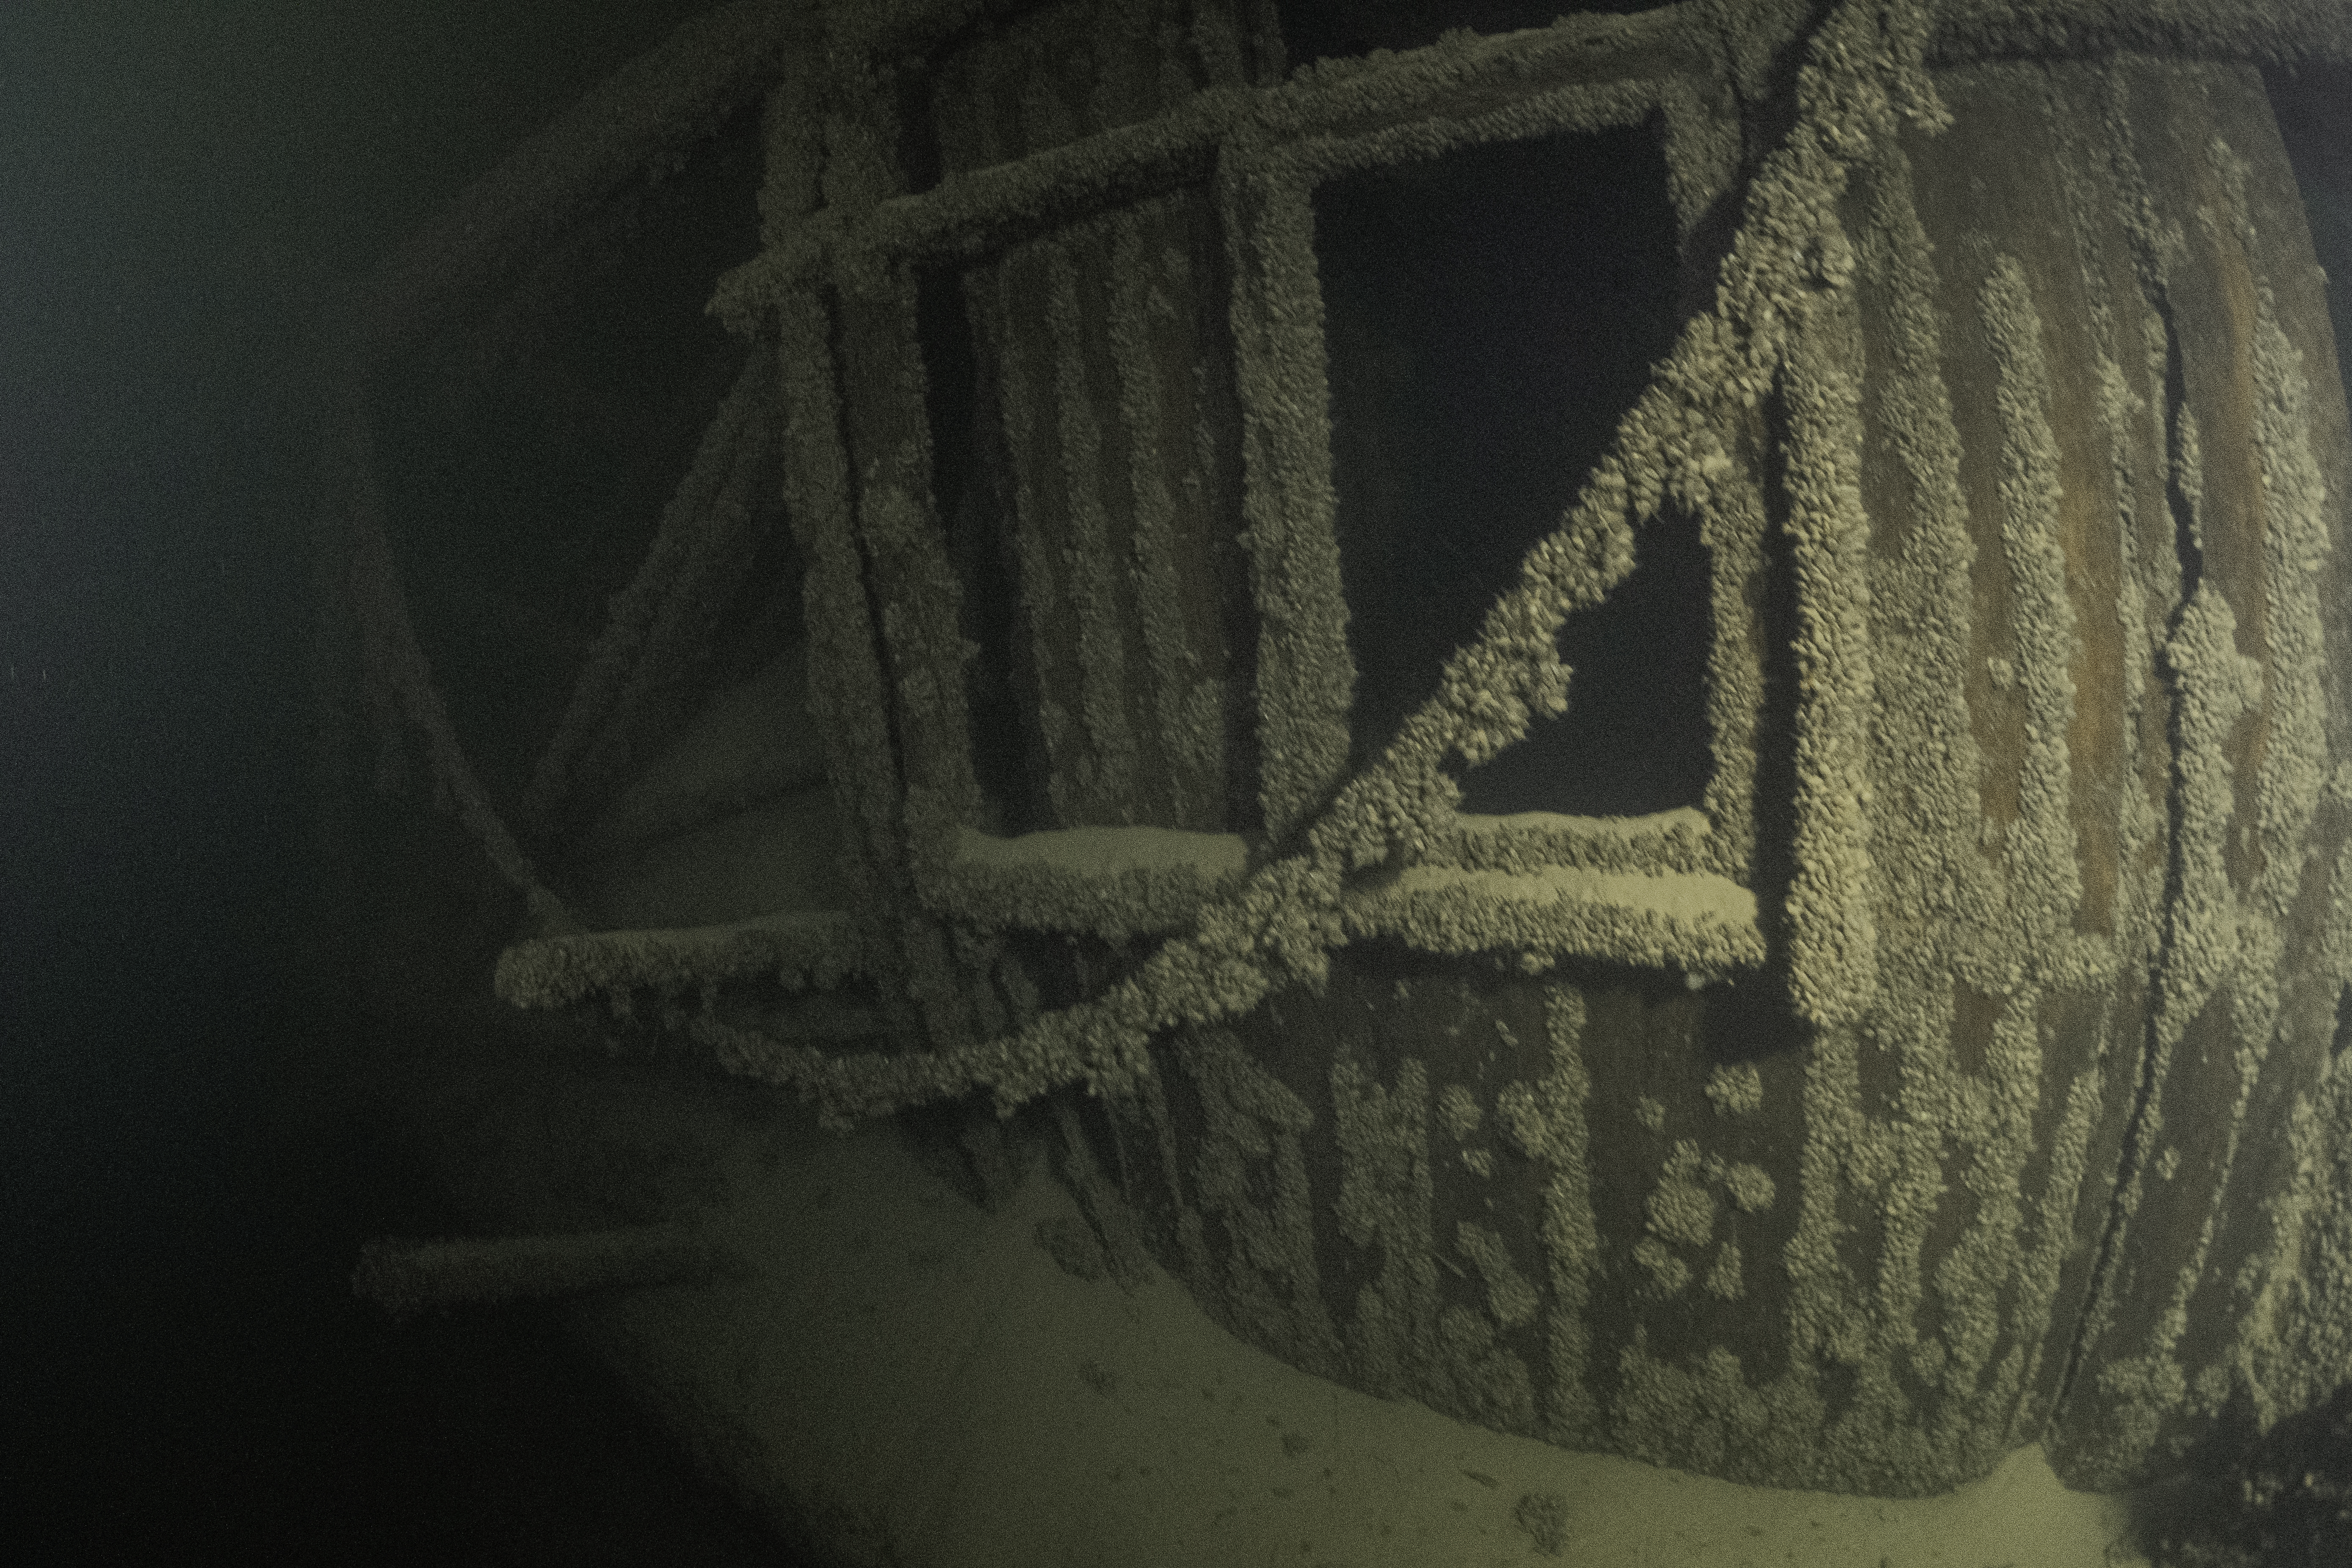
1489 316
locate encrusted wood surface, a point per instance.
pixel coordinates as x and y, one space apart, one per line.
1955 1073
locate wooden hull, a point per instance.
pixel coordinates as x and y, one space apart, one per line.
2004 1196
1950 1069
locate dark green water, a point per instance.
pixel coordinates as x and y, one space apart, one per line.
185 1377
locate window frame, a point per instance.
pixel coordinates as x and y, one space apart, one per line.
1533 882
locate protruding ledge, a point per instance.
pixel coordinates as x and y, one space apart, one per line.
1662 842
1111 882
1697 922
407 1277
803 949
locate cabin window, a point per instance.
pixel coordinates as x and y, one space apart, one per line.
1490 316
966 492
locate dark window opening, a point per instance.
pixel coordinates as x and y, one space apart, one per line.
1634 737
961 409
920 161
1489 316
764 615
1317 30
